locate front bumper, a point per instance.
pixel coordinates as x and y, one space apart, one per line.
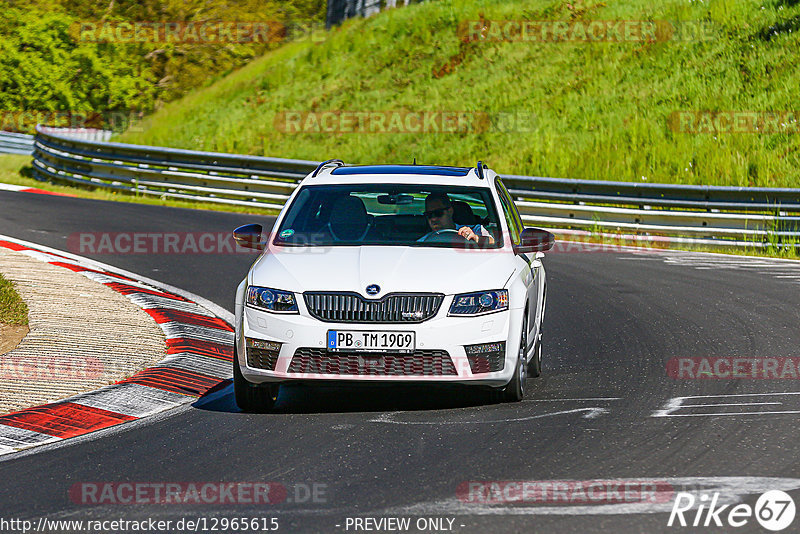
440 344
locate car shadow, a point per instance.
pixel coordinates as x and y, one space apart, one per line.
318 399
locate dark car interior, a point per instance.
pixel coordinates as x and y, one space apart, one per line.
343 217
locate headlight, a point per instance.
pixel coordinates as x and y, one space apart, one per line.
271 299
480 302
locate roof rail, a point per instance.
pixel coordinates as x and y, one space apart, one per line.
337 162
479 169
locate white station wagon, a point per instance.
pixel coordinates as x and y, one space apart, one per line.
391 274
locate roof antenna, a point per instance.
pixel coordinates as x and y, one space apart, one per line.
479 169
415 161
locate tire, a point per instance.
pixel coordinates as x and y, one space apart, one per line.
535 365
515 390
255 398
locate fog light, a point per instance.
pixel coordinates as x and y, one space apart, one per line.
262 354
263 344
486 357
499 346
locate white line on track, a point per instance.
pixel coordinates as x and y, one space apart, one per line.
575 399
730 404
676 404
779 268
590 413
722 414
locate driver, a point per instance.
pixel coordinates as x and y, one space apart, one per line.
439 213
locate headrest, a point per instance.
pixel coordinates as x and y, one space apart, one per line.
349 218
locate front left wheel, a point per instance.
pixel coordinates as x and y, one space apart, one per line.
256 398
535 365
515 390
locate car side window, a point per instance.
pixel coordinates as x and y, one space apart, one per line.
510 212
514 210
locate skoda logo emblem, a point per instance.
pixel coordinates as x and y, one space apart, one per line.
373 289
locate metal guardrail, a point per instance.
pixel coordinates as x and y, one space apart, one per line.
339 10
18 143
730 216
87 134
15 143
165 172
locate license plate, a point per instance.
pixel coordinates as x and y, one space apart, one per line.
370 341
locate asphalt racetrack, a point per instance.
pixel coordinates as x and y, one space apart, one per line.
604 409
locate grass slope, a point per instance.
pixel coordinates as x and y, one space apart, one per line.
600 110
13 310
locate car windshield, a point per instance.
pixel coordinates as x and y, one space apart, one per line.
390 214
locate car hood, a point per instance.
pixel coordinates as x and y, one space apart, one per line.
394 269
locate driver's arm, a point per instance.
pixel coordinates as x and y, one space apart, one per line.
468 233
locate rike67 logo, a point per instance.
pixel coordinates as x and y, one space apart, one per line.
774 510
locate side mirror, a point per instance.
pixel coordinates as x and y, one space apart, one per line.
249 236
534 240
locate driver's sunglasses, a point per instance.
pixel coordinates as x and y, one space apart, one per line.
434 213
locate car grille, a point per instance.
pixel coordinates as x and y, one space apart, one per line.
353 308
418 363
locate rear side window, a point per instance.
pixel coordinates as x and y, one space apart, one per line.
510 212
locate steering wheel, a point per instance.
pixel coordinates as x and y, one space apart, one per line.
445 235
